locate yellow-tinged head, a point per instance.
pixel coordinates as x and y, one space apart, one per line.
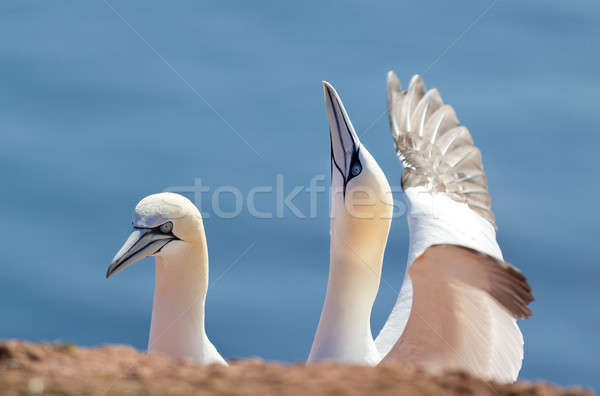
360 189
163 224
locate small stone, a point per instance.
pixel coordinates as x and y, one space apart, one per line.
35 385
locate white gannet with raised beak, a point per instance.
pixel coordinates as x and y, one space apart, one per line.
361 213
459 302
169 227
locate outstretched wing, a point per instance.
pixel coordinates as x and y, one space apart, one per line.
437 152
459 303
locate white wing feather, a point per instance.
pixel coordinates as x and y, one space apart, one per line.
458 305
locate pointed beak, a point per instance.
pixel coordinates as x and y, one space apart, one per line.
142 242
344 140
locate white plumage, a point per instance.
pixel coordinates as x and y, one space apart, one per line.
169 227
459 302
465 298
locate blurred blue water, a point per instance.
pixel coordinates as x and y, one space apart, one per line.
92 120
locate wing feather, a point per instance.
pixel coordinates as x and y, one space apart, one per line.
463 315
459 302
436 151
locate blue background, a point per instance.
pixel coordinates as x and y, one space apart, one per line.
92 120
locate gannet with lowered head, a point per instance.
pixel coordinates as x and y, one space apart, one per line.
459 302
169 227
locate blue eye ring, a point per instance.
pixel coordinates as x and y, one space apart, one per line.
356 169
166 227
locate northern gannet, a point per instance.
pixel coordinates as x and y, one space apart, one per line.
169 227
459 301
358 236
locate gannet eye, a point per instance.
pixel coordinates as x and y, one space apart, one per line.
166 228
356 169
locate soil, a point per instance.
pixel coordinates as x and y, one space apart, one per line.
65 369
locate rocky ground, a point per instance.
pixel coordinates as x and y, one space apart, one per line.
64 369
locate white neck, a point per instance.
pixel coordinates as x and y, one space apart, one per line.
177 328
356 255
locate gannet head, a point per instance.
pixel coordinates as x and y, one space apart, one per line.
359 187
163 224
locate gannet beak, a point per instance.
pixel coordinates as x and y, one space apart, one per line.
142 242
344 140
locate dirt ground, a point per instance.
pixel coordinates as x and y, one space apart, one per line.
64 369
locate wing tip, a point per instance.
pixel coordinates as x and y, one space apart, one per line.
416 80
428 140
508 286
393 83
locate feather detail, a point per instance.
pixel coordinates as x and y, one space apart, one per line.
436 151
463 315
